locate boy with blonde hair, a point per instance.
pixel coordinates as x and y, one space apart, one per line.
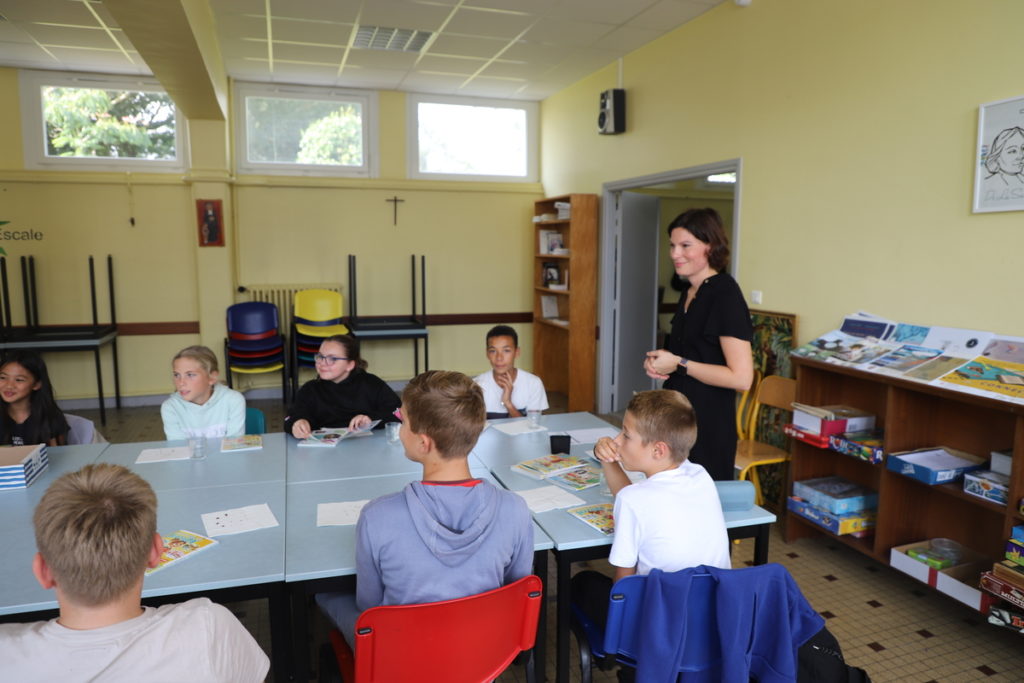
96 534
670 520
447 536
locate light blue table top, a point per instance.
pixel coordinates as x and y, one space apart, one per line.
353 458
217 469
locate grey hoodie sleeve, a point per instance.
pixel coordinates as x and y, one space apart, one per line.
369 587
522 554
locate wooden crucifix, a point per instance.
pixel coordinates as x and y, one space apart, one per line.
394 200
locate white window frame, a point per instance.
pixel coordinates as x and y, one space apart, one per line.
367 100
33 123
413 142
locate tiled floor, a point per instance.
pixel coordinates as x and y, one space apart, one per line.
894 627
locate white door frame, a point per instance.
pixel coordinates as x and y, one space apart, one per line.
611 236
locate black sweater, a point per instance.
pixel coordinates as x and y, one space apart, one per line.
326 404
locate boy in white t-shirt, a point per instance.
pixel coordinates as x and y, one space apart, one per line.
672 519
96 534
509 391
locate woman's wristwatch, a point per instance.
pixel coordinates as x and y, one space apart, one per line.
683 362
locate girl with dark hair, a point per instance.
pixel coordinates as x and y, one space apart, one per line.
30 414
707 356
344 394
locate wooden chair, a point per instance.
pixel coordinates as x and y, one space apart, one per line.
744 404
778 392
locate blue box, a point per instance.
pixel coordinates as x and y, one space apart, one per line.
835 494
939 465
1017 532
848 523
864 445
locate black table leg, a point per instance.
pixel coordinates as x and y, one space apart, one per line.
99 386
300 632
280 632
117 376
761 537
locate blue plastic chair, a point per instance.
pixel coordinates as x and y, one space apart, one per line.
255 423
254 344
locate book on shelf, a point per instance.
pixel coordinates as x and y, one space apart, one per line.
246 442
598 516
180 546
1002 588
545 466
327 437
548 306
550 242
1009 571
578 478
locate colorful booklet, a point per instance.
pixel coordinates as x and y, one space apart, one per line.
327 437
179 546
247 442
578 478
544 467
598 515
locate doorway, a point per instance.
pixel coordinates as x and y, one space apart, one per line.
636 293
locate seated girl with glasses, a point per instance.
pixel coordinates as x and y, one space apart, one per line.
344 394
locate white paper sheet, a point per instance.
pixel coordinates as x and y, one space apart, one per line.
238 520
161 454
592 435
549 498
339 514
518 427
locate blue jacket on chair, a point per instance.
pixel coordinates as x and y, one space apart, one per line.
763 619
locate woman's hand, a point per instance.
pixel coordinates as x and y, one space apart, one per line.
301 429
359 421
659 364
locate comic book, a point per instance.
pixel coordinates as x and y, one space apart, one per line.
598 515
179 546
246 442
544 467
327 437
578 478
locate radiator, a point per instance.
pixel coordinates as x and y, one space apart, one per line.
282 296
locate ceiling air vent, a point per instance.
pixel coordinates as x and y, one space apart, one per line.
399 39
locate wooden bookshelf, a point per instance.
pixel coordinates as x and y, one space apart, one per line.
913 415
565 349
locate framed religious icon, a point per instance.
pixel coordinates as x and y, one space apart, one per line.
999 162
211 223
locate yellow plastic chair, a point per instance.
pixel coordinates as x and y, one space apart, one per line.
778 392
318 313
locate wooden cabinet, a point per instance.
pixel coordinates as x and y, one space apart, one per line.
565 344
914 415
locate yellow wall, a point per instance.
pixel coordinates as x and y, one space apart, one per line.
856 123
477 238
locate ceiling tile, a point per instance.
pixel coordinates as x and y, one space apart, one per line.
73 37
450 65
625 39
240 49
224 7
515 70
537 53
603 11
308 53
432 83
62 12
26 55
487 87
467 46
11 33
313 74
669 14
567 32
326 33
99 60
375 79
397 14
239 25
490 24
247 70
382 59
334 10
539 7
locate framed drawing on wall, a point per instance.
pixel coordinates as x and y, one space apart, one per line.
209 214
999 164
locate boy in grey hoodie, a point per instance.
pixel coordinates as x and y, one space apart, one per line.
447 536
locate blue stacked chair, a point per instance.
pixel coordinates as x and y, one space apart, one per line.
254 343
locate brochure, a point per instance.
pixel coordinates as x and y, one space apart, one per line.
179 546
246 442
598 516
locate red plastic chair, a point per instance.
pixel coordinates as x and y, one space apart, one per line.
466 640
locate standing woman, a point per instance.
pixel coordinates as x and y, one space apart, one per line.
707 357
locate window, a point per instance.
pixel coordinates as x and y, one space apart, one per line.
468 139
298 130
99 122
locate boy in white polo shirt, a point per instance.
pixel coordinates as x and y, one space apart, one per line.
508 390
672 519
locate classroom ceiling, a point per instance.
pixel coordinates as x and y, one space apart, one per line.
520 49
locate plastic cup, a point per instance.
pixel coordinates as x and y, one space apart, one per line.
197 449
391 431
533 417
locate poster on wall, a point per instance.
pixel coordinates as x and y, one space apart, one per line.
999 174
211 224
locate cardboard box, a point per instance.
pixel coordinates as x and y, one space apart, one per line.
958 582
838 524
835 494
1002 589
1015 551
21 465
938 465
1001 461
847 419
864 445
816 440
1017 532
988 485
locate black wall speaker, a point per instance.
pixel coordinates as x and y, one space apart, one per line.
611 119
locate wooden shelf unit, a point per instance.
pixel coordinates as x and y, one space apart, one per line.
914 415
565 354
